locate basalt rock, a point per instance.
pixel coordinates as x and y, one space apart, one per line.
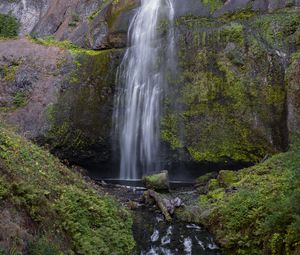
86 23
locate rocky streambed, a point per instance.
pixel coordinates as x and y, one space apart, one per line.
153 233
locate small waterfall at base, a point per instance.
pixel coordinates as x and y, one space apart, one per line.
141 81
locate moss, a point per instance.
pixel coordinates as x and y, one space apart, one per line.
232 87
204 179
227 178
104 4
213 4
20 99
280 29
75 50
261 215
7 72
73 216
213 184
240 15
80 120
158 181
233 33
8 26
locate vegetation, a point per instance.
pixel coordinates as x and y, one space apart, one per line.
64 214
232 73
8 26
51 41
256 210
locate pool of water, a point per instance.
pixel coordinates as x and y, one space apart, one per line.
154 236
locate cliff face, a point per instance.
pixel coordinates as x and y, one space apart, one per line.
86 23
234 99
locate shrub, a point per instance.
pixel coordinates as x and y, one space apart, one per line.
8 26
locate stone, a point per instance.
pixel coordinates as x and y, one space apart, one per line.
226 178
158 181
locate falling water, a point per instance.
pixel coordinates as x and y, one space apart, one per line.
24 4
141 81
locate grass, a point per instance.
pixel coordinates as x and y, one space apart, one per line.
68 214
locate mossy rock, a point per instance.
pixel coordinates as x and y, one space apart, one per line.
226 178
204 179
213 184
158 181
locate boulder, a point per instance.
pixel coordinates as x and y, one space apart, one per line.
166 205
158 181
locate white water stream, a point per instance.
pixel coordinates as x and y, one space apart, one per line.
24 4
141 82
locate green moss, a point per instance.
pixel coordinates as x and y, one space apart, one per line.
232 86
7 72
213 4
204 179
78 120
42 246
240 15
51 41
233 33
73 216
280 29
8 26
227 178
101 7
157 181
262 214
20 99
213 184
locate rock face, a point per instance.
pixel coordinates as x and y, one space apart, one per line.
232 97
30 78
86 23
234 100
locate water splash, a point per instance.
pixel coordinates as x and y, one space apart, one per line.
141 82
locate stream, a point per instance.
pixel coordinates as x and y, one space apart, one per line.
155 236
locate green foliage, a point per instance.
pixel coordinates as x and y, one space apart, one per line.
20 99
233 33
51 41
100 217
263 215
59 201
8 26
213 4
42 246
7 72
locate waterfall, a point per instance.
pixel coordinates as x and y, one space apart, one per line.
24 4
141 82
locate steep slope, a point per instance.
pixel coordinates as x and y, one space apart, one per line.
255 210
48 209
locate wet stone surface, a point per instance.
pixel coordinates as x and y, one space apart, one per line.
154 236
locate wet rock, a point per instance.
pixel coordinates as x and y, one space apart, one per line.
132 205
204 179
158 181
166 205
172 204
